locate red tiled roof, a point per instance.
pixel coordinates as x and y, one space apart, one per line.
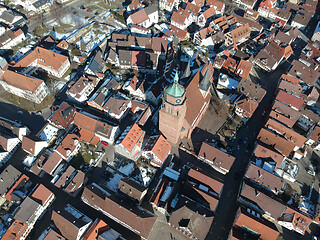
289 99
63 116
43 57
266 233
68 143
295 137
279 143
139 16
52 163
21 81
41 194
133 137
264 202
98 227
22 178
15 231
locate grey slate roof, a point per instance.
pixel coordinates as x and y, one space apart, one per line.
40 3
205 82
7 178
27 211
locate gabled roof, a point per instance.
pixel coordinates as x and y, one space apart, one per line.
218 158
159 146
69 143
131 188
27 211
134 136
8 177
263 152
204 179
248 106
264 178
139 16
290 100
41 195
98 227
299 221
29 144
128 215
63 116
251 90
265 203
265 229
290 134
21 81
281 144
15 231
43 57
52 163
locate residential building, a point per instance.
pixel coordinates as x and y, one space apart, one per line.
52 62
33 145
132 189
130 142
70 222
8 178
145 17
82 88
218 159
131 217
100 230
93 130
8 145
11 38
245 108
62 115
156 150
68 147
30 88
238 35
168 5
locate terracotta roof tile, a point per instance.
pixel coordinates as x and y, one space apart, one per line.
279 143
15 231
290 100
218 158
215 185
266 232
288 133
21 81
42 195
133 137
52 163
263 152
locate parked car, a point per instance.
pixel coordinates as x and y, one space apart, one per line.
20 112
104 143
82 7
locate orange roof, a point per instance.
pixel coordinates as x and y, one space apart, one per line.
21 81
266 233
290 79
68 143
300 222
161 148
41 194
230 64
295 137
133 137
8 195
95 140
42 57
283 119
15 231
244 68
52 163
96 229
281 144
248 106
86 135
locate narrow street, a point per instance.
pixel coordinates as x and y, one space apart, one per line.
228 204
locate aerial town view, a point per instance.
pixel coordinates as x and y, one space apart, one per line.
159 119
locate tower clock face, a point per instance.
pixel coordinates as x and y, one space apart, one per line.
178 100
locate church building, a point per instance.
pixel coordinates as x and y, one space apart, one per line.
183 108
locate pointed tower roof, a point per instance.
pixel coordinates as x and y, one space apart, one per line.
175 89
205 82
187 71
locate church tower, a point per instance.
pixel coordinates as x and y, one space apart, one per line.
173 111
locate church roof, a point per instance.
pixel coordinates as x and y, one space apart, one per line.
175 90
